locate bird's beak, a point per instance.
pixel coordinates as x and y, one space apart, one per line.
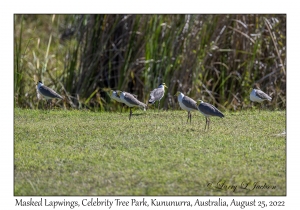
166 86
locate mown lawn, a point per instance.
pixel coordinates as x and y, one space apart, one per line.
155 153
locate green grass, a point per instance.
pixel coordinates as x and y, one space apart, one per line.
155 153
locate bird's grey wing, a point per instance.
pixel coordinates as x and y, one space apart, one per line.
190 103
262 95
209 109
132 94
156 94
48 92
132 100
152 98
159 93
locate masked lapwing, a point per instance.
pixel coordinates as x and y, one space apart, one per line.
208 110
188 104
259 96
114 95
157 94
46 92
131 101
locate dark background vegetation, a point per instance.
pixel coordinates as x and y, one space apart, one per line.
216 58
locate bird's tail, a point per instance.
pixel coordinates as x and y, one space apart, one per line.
60 97
151 100
221 115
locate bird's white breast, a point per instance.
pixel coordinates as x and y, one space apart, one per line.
180 98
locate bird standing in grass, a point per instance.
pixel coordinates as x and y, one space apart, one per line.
47 93
259 96
131 101
186 103
157 94
208 110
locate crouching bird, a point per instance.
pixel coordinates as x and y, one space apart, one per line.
131 101
259 96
